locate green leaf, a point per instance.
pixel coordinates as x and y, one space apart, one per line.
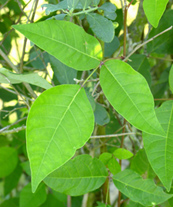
113 166
12 202
86 3
33 78
78 176
26 167
54 7
28 199
72 4
12 180
105 157
66 41
138 190
134 204
101 115
60 121
102 27
109 10
154 10
122 84
159 148
63 73
122 154
171 79
52 202
140 63
8 161
141 165
111 47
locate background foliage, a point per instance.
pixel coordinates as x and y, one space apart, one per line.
86 104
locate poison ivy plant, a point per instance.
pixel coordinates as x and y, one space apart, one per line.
86 102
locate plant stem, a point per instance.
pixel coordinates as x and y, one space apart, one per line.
146 42
83 12
125 28
13 130
68 201
111 135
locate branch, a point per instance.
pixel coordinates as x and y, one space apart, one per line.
111 135
13 130
146 42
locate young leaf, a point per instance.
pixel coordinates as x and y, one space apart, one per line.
66 41
60 121
159 148
129 94
154 10
32 78
102 27
171 79
122 154
28 199
113 166
138 190
78 176
8 161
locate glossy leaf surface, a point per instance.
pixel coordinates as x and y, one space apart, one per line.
159 148
66 41
154 10
129 94
138 190
60 121
33 78
78 176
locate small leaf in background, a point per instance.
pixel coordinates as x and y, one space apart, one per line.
141 165
154 10
122 154
62 5
111 47
12 180
72 4
78 176
159 148
113 166
140 63
60 121
91 99
32 78
51 201
12 202
102 27
109 10
105 157
101 115
138 190
102 204
171 79
26 167
66 41
28 199
63 73
85 3
8 161
122 84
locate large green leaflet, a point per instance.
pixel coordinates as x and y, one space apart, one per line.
138 190
154 10
78 176
66 41
159 148
60 121
33 78
122 84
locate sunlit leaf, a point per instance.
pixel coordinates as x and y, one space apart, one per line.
60 121
122 153
159 148
138 190
154 10
66 41
78 176
129 94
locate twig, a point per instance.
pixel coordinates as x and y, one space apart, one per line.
146 42
111 135
13 130
7 127
95 88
